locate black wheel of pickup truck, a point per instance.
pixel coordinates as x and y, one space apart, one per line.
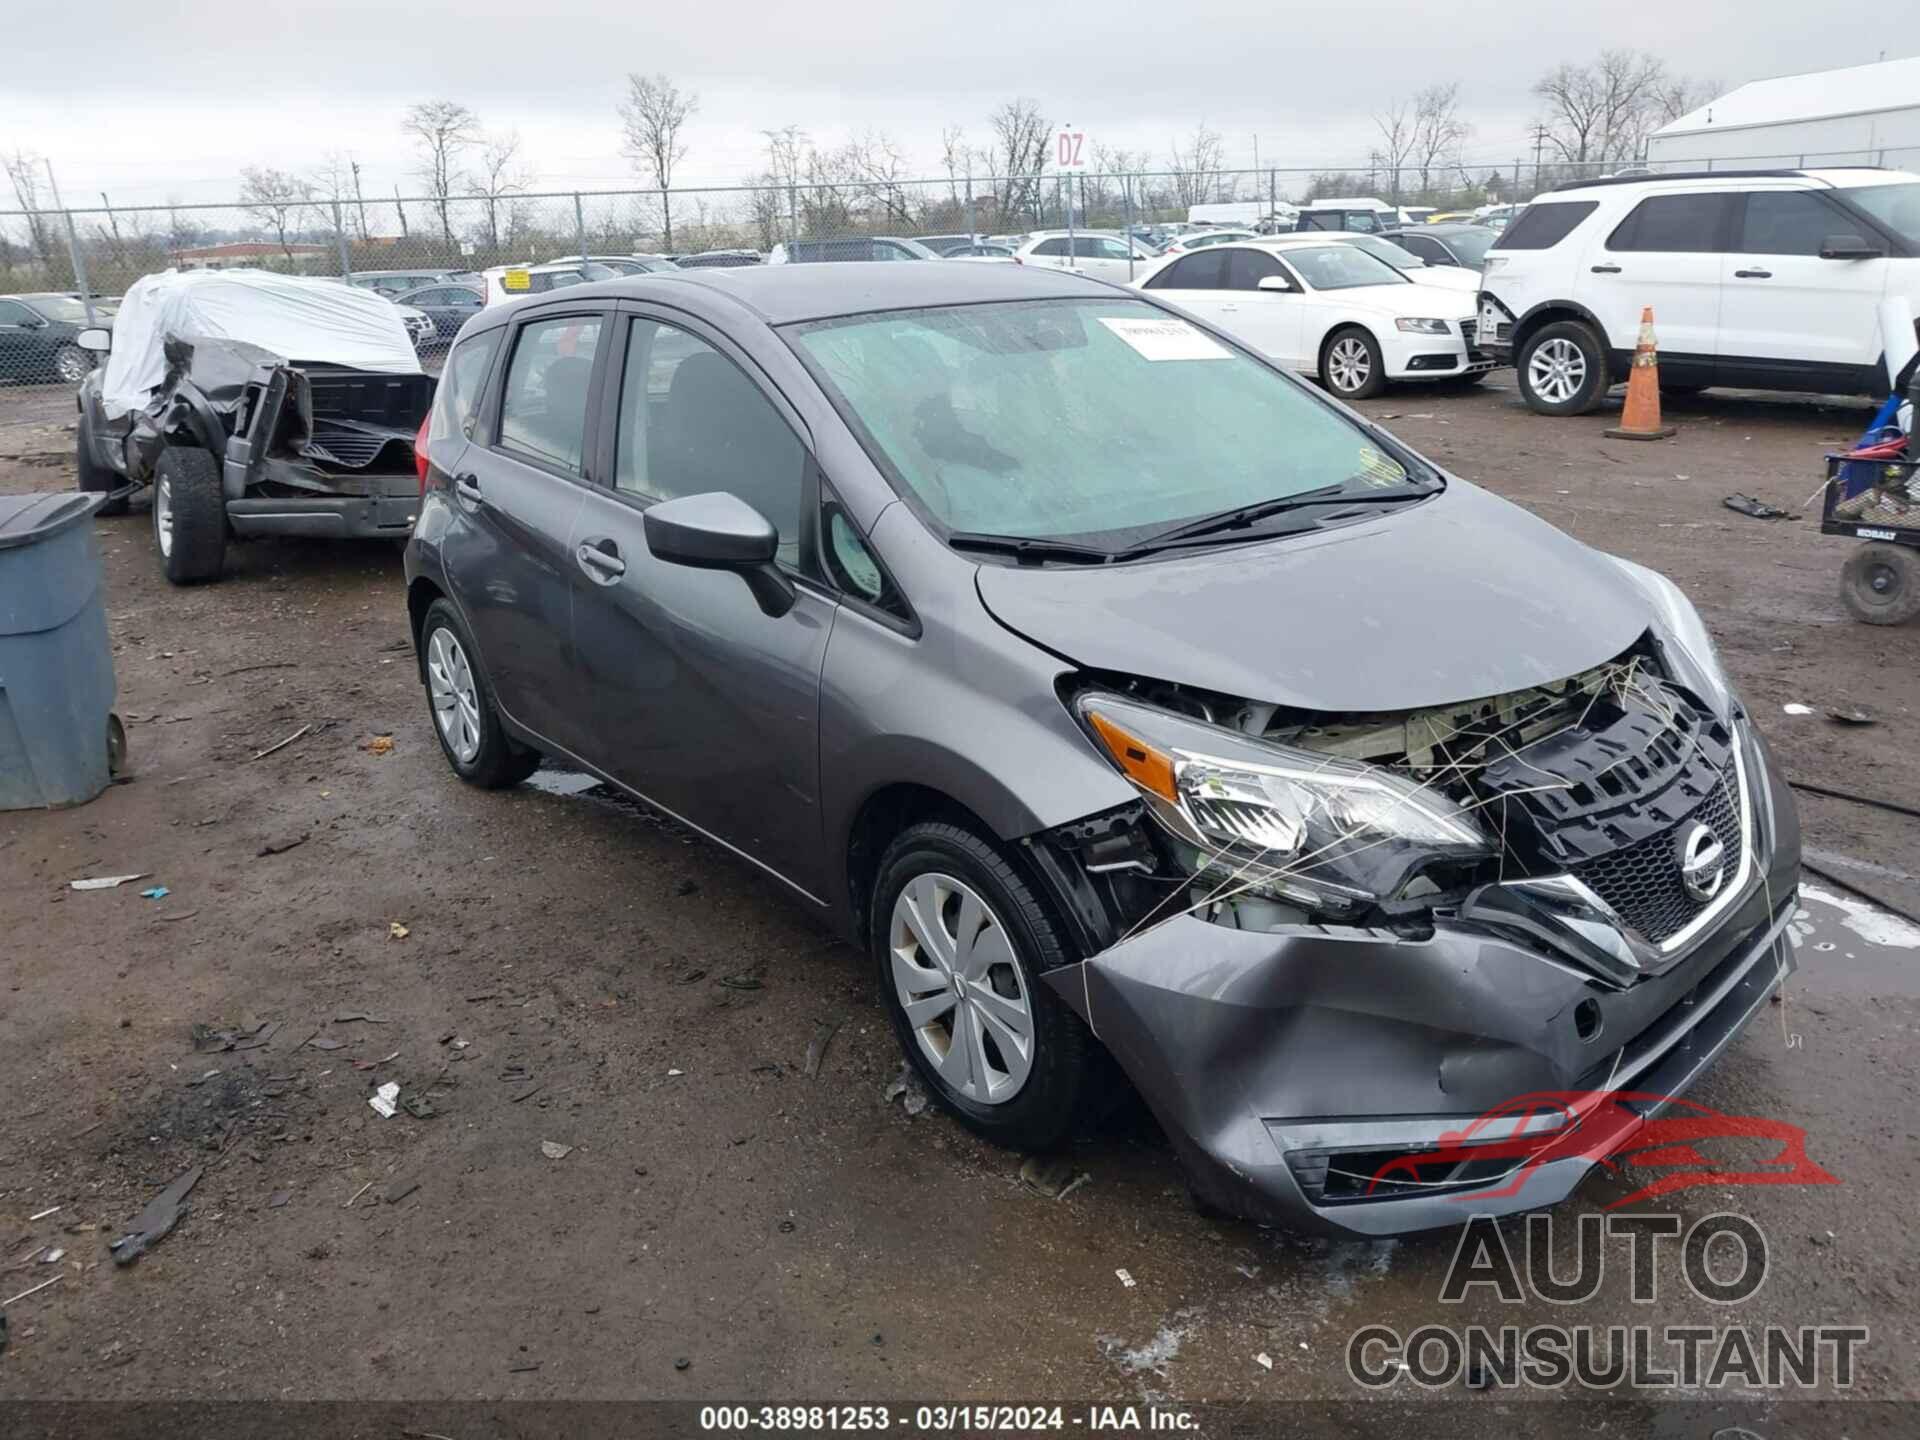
189 515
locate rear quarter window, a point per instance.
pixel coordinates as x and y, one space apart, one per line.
1544 224
463 382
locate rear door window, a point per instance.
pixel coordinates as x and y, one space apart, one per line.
1051 247
1673 225
1247 268
1202 270
1544 224
543 410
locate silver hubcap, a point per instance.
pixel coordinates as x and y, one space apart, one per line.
956 979
456 700
1556 370
70 365
1349 366
163 516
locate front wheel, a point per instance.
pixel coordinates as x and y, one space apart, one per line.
961 941
189 515
1880 584
465 718
1351 366
1562 369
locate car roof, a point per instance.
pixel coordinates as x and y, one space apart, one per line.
1442 228
786 294
1853 175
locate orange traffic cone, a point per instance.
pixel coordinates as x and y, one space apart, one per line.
1641 418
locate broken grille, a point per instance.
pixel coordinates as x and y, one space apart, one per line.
1642 883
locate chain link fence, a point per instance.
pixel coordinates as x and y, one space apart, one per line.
62 270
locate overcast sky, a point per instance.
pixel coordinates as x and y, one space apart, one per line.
154 102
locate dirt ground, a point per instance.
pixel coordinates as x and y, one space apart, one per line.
734 1219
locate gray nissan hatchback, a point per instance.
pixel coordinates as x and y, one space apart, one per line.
1116 693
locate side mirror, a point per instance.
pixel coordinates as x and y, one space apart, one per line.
1850 247
98 341
718 531
1276 284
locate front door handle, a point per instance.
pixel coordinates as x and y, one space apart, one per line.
1606 269
1753 274
601 560
467 487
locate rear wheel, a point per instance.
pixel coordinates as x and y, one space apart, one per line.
960 941
1562 369
1880 584
189 515
1351 365
465 718
93 477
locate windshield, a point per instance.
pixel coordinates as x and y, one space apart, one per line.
1100 421
1895 206
1341 267
59 308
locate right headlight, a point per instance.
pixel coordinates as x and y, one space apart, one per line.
1330 834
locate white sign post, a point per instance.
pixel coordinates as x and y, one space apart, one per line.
1070 157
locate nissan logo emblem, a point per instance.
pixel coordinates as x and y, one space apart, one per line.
1702 862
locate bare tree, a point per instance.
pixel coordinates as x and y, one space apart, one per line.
1600 112
443 131
652 116
1438 130
1194 168
1020 144
502 173
878 161
275 198
1399 129
23 170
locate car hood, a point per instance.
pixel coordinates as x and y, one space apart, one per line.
1417 298
1448 599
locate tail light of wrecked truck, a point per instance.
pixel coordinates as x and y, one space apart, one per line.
420 453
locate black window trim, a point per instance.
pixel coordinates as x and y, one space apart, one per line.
906 620
602 311
480 421
611 382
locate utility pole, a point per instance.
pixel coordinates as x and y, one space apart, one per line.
1539 145
359 202
73 247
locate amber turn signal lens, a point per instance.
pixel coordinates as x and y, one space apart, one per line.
1148 767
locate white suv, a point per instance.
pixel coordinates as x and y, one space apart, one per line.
1760 280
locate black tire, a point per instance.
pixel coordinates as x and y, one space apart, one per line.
1880 584
93 476
1051 1102
71 364
1375 379
1594 379
189 515
497 762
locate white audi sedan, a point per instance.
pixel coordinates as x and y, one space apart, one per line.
1328 310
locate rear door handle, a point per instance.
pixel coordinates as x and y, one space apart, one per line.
467 487
1753 274
601 560
1606 269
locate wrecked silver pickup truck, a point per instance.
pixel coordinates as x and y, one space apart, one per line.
253 404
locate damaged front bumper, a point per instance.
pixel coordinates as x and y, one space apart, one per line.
1291 1067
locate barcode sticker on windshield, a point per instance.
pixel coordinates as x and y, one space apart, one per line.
1167 339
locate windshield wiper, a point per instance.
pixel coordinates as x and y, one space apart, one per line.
1248 515
1027 549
